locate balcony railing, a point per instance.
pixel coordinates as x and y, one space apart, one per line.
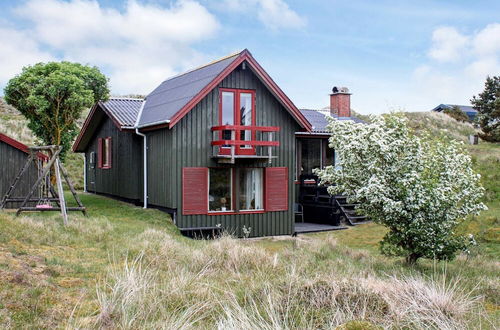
255 147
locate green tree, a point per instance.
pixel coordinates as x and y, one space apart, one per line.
52 97
456 113
419 188
487 104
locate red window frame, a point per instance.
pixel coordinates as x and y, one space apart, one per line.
100 146
239 150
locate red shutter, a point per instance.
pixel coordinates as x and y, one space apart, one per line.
99 153
194 190
276 190
110 153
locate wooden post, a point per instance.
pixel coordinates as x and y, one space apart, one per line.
270 149
39 180
71 187
233 138
60 192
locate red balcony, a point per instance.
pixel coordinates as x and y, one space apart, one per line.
232 142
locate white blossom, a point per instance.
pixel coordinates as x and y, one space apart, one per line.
419 187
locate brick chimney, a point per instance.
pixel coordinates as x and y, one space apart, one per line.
340 102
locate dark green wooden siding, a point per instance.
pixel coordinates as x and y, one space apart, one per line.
187 144
12 161
124 178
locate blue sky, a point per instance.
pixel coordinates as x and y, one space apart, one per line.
409 55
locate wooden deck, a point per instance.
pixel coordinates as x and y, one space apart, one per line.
308 227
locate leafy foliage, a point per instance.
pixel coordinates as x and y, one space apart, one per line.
52 97
456 113
419 188
487 104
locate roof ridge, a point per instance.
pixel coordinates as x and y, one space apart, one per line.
125 98
205 65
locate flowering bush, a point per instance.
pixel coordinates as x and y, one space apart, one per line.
419 188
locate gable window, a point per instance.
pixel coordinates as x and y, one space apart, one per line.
237 107
104 153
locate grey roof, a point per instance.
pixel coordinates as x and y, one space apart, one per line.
123 110
469 110
464 108
317 118
174 93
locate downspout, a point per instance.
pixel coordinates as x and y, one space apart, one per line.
144 157
85 172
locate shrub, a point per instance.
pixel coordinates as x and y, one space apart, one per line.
419 188
456 113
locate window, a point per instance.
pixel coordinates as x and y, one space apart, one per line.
248 192
227 113
310 155
237 107
313 153
219 191
250 189
104 153
246 116
232 190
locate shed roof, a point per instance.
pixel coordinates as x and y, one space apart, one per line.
20 146
318 120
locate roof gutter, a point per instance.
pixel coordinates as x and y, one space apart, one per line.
153 123
144 157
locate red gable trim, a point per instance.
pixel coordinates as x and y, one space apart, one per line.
89 119
261 73
20 146
84 127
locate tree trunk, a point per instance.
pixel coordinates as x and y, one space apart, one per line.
412 258
57 142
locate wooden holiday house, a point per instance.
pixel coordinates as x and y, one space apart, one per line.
215 147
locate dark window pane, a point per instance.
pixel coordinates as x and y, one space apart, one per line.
105 152
246 115
250 189
311 155
227 112
219 195
329 155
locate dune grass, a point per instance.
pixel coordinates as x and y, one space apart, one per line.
125 267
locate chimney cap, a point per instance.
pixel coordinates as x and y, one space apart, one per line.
340 90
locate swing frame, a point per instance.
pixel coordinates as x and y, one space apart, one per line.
58 197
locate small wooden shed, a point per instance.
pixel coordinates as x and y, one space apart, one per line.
13 156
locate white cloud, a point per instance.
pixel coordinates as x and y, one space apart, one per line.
137 47
487 41
469 59
18 49
447 44
274 14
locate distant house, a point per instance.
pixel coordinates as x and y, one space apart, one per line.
467 109
220 145
13 156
